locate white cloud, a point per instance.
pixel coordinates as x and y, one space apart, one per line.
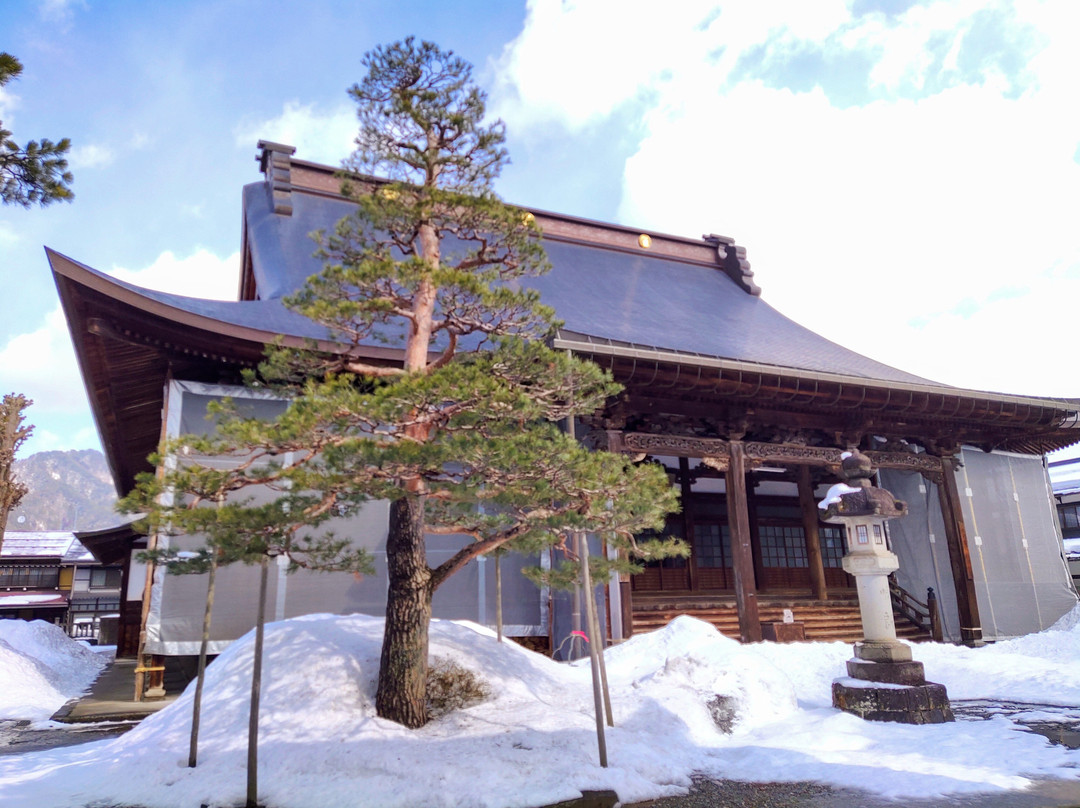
201 274
8 102
324 136
908 210
91 156
41 365
60 11
8 234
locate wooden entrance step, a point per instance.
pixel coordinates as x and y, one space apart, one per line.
833 620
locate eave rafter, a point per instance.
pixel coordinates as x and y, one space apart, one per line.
932 415
715 451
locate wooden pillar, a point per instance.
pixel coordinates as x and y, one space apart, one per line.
755 535
742 560
626 601
959 556
687 520
810 512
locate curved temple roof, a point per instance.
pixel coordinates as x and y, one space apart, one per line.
675 302
605 294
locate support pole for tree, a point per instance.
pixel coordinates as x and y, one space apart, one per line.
256 687
590 608
575 611
498 595
597 636
193 751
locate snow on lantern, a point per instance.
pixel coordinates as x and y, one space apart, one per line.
883 682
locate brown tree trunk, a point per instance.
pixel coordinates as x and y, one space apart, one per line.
402 690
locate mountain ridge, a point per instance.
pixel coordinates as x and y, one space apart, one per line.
69 490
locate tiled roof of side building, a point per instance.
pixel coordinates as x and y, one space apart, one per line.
44 544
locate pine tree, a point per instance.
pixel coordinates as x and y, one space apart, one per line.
37 172
462 435
13 433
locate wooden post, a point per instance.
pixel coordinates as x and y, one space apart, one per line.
256 689
498 596
626 601
742 557
755 536
200 679
935 615
959 556
142 661
809 510
590 606
687 520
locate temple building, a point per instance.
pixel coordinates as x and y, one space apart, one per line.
748 411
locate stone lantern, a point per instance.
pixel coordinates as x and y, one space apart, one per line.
883 682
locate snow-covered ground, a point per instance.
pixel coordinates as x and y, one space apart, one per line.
533 741
41 668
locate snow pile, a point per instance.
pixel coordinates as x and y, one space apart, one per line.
41 668
686 700
690 664
1068 621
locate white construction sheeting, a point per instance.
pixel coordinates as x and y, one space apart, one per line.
1022 583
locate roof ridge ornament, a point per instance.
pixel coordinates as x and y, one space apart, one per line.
733 261
275 163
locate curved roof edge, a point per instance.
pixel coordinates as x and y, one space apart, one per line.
586 344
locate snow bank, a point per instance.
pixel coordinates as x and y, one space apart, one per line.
41 668
533 742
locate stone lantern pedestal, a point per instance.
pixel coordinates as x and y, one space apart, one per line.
883 683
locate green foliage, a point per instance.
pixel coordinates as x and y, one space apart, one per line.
192 499
414 94
37 172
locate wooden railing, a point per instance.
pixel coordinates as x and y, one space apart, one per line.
924 615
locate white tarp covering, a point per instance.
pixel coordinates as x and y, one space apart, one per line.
1021 581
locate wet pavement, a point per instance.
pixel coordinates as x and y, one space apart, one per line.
734 794
1058 724
17 737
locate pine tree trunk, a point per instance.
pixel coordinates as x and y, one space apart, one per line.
402 690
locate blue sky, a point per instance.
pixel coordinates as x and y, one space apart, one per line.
912 162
